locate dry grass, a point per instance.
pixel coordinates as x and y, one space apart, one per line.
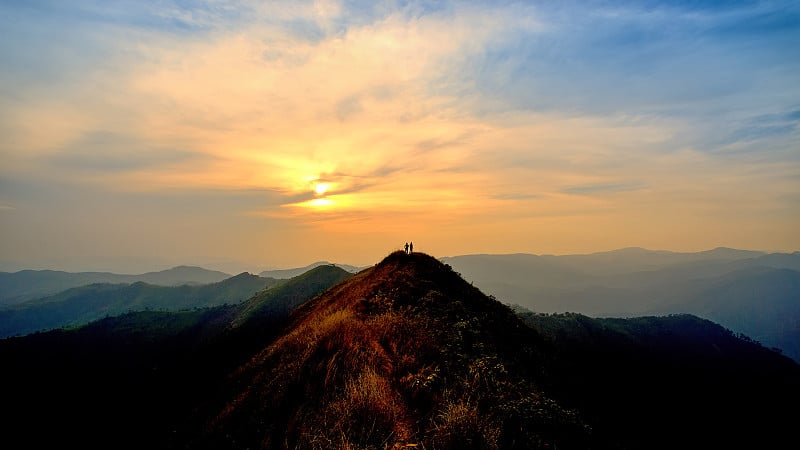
460 425
390 359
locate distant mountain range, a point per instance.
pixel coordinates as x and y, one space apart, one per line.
754 293
282 274
17 287
81 305
404 354
133 380
750 292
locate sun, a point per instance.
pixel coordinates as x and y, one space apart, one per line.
321 188
321 202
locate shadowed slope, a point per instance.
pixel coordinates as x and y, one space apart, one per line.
284 298
134 381
670 382
403 353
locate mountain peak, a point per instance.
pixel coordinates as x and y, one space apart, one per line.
290 273
404 353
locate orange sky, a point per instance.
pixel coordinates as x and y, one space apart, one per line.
247 136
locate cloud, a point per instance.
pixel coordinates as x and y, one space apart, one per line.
603 188
112 152
640 58
766 126
454 114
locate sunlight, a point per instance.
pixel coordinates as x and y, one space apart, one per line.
321 188
320 202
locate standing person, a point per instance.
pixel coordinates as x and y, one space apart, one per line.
410 248
406 248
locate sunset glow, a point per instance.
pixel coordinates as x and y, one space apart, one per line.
321 188
246 135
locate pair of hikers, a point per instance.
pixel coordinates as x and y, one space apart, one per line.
409 247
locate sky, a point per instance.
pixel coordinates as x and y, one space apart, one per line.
247 135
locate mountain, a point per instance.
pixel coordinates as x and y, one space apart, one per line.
408 354
635 259
181 275
284 298
25 285
405 354
634 282
675 381
760 302
289 273
131 381
81 305
558 282
402 354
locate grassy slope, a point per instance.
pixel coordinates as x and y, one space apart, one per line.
408 354
134 380
404 353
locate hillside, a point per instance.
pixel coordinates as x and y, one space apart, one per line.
760 302
81 305
287 296
291 273
405 354
718 284
26 285
675 381
130 381
409 354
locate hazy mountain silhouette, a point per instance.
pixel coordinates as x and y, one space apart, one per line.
16 287
403 353
290 273
635 282
762 303
81 305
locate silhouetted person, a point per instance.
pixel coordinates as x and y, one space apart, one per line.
410 248
406 248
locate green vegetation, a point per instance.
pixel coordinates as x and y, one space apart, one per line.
284 298
405 354
82 305
402 354
675 381
748 292
134 379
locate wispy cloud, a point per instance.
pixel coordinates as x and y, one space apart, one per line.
111 152
450 113
603 188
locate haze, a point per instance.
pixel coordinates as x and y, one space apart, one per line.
245 135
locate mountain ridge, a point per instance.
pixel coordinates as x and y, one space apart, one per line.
635 283
80 305
28 284
293 272
372 349
399 354
404 353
